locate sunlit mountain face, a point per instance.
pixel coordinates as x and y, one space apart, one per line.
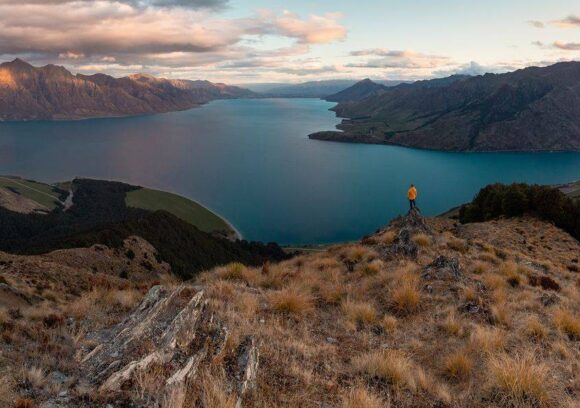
259 41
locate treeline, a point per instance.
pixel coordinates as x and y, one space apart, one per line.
546 203
100 216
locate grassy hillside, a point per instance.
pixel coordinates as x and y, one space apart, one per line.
183 208
100 215
424 313
43 194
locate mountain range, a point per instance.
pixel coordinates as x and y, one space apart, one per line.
52 92
312 89
532 109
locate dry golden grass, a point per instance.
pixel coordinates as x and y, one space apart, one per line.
291 301
493 281
390 365
359 312
457 244
247 304
488 257
372 268
406 296
458 365
452 325
567 323
360 397
487 340
389 323
215 393
480 267
520 381
422 240
233 271
388 237
534 329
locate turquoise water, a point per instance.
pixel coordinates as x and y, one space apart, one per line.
251 161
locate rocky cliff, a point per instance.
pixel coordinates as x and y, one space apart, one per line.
52 92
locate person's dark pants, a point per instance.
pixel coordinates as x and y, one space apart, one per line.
412 204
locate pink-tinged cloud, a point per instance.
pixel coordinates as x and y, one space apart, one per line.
112 35
572 21
386 58
314 30
567 46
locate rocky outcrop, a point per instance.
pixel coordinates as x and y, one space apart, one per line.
171 338
52 92
407 226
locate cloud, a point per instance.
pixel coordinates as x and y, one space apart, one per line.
192 4
572 21
567 46
536 24
314 30
397 59
157 36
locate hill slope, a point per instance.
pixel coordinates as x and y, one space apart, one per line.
359 91
533 109
422 313
52 92
99 215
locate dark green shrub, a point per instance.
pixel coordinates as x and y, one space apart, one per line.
544 202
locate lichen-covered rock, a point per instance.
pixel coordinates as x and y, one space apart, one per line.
171 336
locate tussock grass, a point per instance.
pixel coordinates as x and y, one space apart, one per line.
452 325
359 312
372 268
534 329
480 267
458 365
520 381
247 304
389 323
390 365
493 281
489 257
487 340
457 244
422 240
406 296
360 397
291 301
567 323
233 271
388 237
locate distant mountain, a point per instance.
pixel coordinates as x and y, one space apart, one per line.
52 92
312 89
359 91
533 109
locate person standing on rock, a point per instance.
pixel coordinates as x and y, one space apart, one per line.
412 195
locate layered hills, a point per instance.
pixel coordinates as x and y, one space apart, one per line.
532 109
52 92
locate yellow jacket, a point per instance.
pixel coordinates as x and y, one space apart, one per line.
412 193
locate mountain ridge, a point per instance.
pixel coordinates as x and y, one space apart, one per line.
52 92
532 109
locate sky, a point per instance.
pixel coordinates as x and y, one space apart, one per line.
264 41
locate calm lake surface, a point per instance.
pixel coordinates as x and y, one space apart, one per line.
251 162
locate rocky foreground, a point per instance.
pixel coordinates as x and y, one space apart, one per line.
423 313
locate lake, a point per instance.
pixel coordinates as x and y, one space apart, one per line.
252 162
